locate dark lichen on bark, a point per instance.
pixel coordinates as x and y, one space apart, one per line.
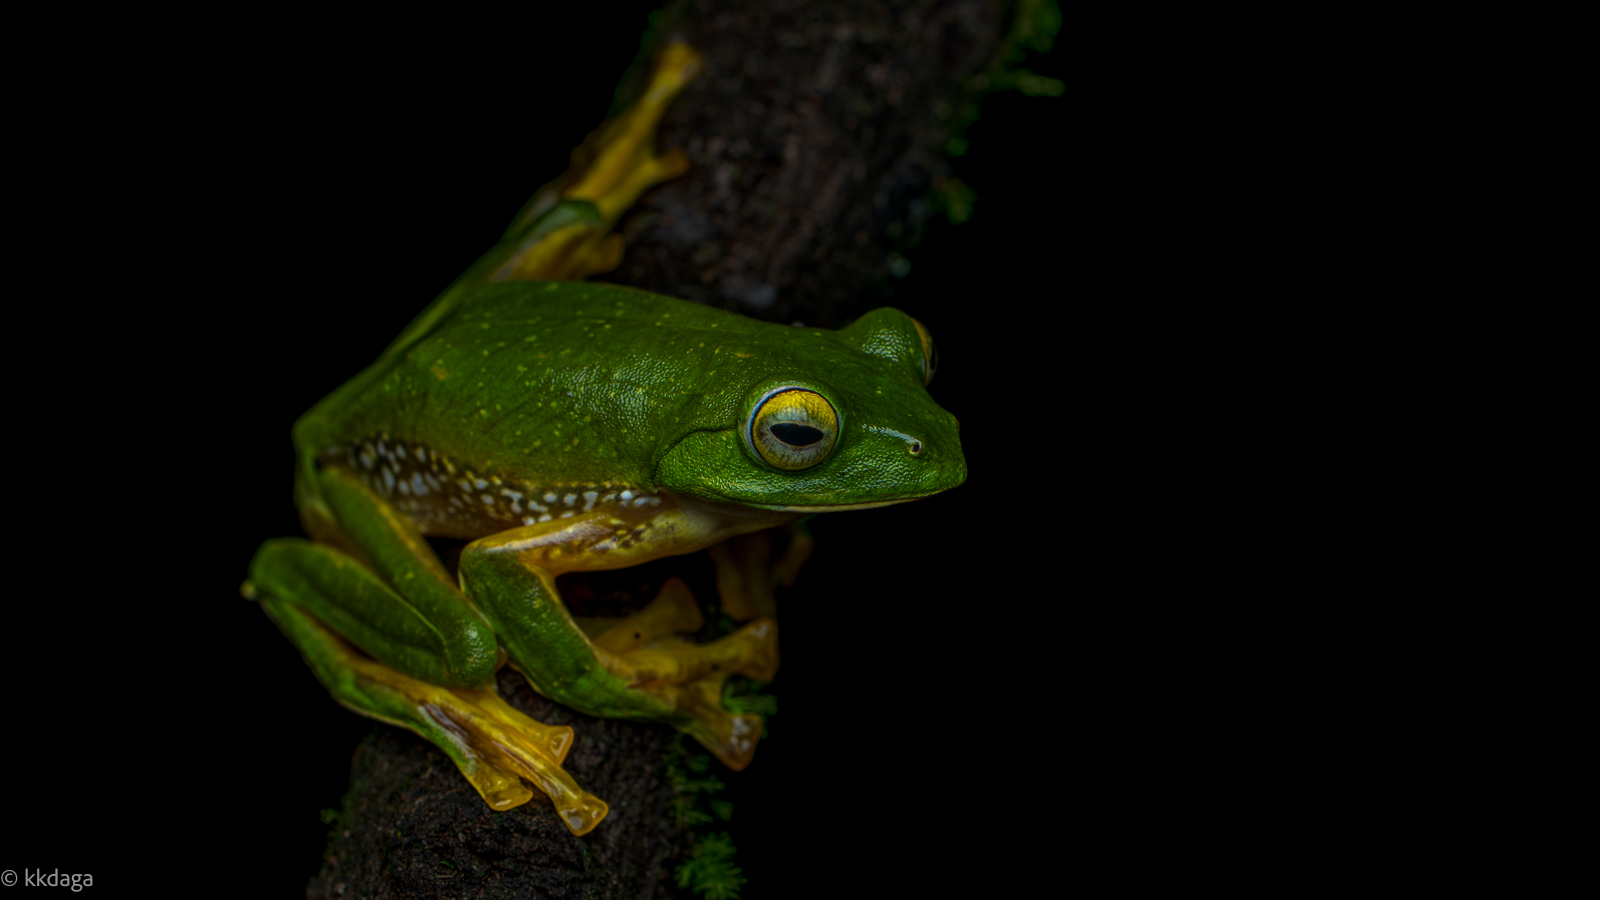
817 137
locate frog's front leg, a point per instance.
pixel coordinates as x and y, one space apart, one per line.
747 574
433 655
637 669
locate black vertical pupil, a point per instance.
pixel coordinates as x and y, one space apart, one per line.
796 435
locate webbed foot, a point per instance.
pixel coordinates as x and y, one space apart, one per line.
489 741
645 650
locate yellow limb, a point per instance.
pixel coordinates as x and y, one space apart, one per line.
731 737
747 574
623 164
751 651
673 611
691 676
626 165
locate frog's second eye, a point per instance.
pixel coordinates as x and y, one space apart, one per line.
930 353
793 428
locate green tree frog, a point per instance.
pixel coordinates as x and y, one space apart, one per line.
565 426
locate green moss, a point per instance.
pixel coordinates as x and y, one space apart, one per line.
692 786
710 869
1033 32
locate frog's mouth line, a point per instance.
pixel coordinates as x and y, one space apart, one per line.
842 507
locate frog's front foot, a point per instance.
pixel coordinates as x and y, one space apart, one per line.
640 668
748 573
645 649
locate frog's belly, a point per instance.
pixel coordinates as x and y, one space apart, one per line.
448 499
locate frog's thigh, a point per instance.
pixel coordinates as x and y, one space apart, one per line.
491 743
358 605
670 681
410 603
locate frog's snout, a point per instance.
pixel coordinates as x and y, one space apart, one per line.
933 462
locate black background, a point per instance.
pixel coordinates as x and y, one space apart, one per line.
279 216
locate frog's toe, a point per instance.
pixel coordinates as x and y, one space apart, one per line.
747 572
750 651
673 611
758 641
691 678
731 737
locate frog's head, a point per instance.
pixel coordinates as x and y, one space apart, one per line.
818 420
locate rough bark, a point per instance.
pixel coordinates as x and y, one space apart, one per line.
816 136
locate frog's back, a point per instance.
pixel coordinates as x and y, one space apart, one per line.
529 391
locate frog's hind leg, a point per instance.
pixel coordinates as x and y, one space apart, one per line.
490 742
433 654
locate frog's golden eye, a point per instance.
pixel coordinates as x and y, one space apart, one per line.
930 353
793 428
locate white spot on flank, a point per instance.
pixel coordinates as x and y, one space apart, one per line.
760 630
515 495
488 499
568 514
550 497
528 520
590 497
480 484
465 486
740 726
570 499
405 488
400 451
388 479
643 501
417 486
545 517
626 496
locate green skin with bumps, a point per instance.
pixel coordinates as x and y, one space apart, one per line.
572 383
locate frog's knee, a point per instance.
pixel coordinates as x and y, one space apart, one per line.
273 564
473 656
